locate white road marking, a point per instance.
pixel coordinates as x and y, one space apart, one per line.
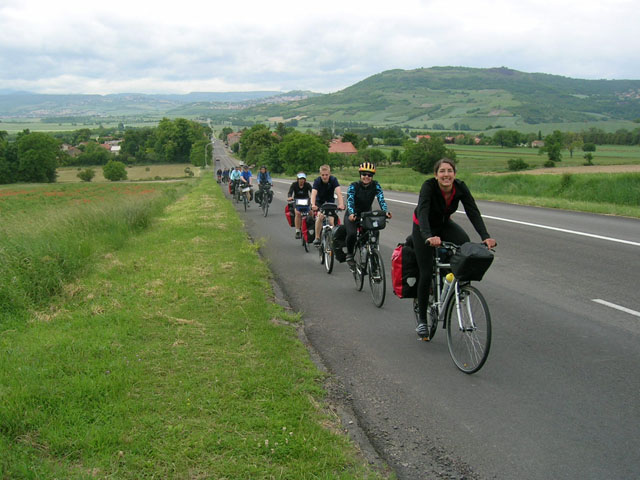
617 307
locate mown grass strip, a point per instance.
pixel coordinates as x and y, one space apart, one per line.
170 361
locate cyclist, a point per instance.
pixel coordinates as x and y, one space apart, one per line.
234 177
360 197
246 178
263 178
219 175
323 190
299 189
439 198
225 175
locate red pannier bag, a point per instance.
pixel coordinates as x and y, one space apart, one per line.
404 271
290 214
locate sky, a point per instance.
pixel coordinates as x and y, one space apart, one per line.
139 46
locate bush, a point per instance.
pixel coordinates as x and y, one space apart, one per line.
589 147
549 164
114 171
86 175
516 164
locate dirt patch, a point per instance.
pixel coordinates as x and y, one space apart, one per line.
581 169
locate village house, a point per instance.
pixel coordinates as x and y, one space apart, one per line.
338 146
233 137
537 144
418 137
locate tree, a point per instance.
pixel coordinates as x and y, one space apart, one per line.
553 146
94 154
114 171
395 156
225 131
255 141
302 152
373 155
589 147
86 175
37 157
350 137
573 141
423 155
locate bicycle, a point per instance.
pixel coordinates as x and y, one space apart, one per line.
302 205
462 310
265 192
367 257
237 191
246 193
325 249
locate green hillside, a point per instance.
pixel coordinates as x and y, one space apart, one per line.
467 99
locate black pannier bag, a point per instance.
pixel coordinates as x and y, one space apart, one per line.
375 220
308 228
471 261
339 243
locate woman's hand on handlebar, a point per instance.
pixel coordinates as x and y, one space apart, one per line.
353 217
388 214
490 243
433 241
289 199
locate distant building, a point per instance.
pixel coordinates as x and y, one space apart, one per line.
338 146
70 149
418 137
537 144
233 137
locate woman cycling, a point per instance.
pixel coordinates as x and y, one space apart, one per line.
360 197
299 189
439 198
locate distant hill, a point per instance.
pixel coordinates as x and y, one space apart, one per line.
467 98
25 104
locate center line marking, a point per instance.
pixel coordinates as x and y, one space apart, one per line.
617 307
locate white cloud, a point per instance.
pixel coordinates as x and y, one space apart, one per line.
123 46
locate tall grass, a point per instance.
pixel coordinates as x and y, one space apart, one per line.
39 253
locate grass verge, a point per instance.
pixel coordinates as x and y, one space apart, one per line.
170 360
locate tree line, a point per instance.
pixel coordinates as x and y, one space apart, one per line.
35 156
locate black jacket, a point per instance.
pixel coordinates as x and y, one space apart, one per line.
432 212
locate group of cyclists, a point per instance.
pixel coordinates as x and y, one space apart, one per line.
438 200
241 176
326 188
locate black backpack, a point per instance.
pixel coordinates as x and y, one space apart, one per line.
339 243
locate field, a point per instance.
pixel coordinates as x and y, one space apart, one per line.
139 338
134 172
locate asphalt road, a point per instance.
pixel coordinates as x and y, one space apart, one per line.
559 395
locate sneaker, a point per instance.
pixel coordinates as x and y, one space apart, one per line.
298 235
423 331
316 242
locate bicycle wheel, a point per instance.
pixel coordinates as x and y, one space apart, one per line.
359 271
304 241
468 344
244 200
327 250
265 204
377 279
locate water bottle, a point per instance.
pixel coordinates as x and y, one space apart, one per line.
448 280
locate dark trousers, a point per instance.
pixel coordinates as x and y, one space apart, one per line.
351 229
450 232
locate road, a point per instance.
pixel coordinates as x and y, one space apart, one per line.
558 397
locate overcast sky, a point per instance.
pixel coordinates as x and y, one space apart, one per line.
117 46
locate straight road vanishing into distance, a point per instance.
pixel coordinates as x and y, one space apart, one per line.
558 397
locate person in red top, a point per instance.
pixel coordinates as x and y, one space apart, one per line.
432 224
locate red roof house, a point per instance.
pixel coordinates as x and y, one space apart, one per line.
338 146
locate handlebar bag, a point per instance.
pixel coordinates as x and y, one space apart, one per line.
375 220
471 261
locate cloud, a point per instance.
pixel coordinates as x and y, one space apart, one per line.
153 47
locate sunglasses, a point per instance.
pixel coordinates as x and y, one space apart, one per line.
366 174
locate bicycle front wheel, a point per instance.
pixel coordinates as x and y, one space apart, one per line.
265 205
244 200
359 256
468 330
327 250
377 279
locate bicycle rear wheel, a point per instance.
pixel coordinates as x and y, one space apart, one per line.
327 250
360 267
377 279
468 336
265 205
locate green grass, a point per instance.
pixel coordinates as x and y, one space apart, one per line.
168 359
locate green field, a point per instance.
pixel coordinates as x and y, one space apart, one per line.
139 338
